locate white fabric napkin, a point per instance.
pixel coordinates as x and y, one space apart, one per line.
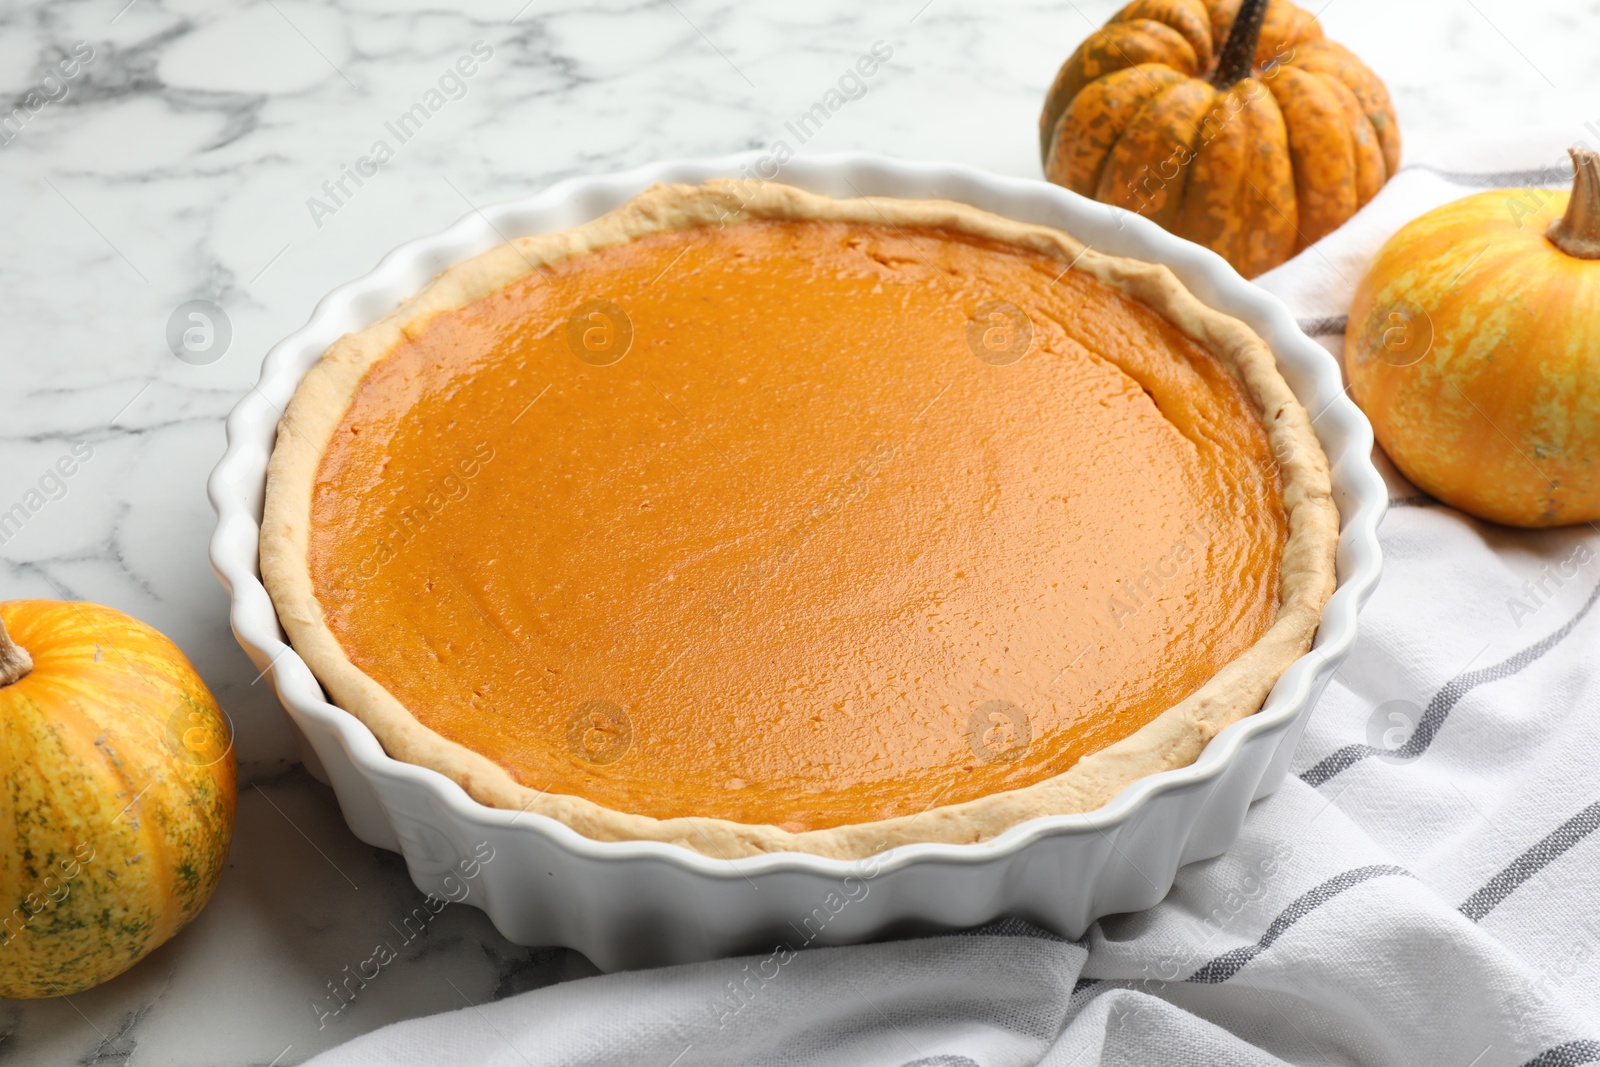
1439 906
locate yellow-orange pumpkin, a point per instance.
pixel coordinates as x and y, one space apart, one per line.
1234 125
1473 345
117 794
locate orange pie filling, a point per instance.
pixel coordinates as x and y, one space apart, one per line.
801 523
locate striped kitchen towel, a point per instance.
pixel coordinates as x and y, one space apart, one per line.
1423 890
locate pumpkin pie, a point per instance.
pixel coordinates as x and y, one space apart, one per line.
753 520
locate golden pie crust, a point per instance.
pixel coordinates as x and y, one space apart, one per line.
1173 739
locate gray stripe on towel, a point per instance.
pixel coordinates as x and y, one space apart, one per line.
1326 326
1553 175
1229 964
1531 862
1009 926
1438 709
1569 1055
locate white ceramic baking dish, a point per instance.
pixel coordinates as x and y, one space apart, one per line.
633 904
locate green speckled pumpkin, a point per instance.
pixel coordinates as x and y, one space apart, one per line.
1474 348
118 795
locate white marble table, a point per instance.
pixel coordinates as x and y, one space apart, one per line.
186 159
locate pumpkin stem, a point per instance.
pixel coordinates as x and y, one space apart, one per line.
1238 58
1577 233
14 659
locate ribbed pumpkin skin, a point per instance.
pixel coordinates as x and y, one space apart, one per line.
1501 416
118 800
1254 171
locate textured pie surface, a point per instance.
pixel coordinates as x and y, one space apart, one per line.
798 525
799 533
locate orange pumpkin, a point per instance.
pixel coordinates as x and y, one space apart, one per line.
1474 348
1232 124
118 794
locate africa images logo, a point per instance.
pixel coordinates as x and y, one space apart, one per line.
451 85
410 520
